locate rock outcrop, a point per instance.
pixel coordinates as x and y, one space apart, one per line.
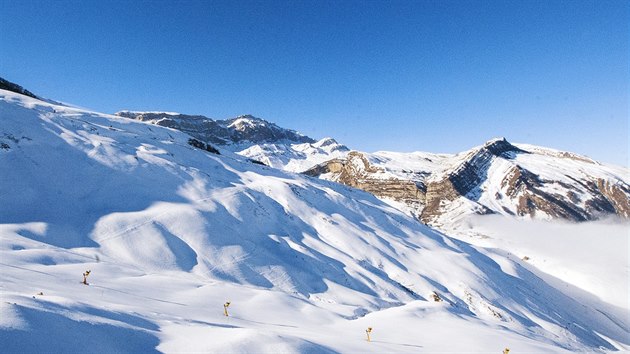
464 179
9 86
356 171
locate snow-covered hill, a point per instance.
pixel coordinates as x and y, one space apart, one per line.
171 233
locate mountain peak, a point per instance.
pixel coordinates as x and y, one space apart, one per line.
326 142
501 139
247 121
500 147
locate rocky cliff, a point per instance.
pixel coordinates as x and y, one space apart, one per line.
356 171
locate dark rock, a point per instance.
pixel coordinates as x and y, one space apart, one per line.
201 145
9 86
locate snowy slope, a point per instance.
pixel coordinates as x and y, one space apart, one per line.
171 233
590 264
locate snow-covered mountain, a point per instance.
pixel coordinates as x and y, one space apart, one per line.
496 178
249 136
237 132
172 233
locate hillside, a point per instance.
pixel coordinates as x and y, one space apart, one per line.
171 232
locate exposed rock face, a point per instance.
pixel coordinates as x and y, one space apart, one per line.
491 179
617 195
241 129
473 171
356 171
201 145
438 194
9 86
465 178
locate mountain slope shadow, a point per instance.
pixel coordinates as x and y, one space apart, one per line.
49 332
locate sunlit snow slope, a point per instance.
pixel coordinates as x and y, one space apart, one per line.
171 232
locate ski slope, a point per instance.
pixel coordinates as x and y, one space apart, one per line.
171 232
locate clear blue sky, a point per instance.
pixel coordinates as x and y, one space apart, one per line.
439 76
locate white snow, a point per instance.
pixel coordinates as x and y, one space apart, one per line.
240 123
170 233
591 256
295 157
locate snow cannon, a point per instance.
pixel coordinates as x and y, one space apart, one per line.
368 331
225 306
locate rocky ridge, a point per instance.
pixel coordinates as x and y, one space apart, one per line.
242 130
496 178
10 86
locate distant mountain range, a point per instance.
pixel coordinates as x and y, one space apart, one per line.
250 136
439 189
237 131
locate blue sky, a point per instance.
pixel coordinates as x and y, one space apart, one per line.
439 76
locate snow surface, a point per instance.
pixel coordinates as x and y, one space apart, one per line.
170 233
587 266
294 157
